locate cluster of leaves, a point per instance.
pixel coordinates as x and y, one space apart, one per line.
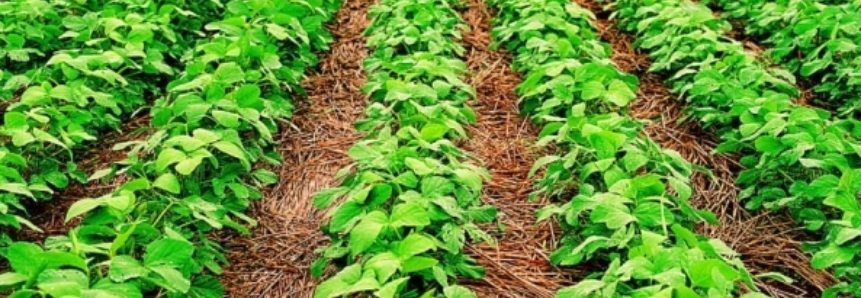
195 174
630 210
101 61
410 202
811 39
796 157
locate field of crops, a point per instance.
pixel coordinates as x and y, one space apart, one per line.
430 148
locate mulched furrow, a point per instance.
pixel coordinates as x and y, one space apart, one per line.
274 261
518 266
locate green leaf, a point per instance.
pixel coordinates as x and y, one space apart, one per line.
82 206
469 178
168 157
361 152
366 232
15 120
483 214
592 90
172 279
418 166
831 256
384 265
619 93
11 278
390 289
63 283
231 149
410 214
584 288
434 131
186 167
227 119
414 244
615 217
344 215
325 197
456 291
169 252
229 73
703 273
418 263
16 188
168 182
124 268
652 214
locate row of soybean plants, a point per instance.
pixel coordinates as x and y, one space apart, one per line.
410 202
194 174
70 70
629 213
795 157
815 40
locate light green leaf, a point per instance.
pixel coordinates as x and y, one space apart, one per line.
82 206
410 214
168 157
124 268
16 188
619 93
227 119
186 167
168 182
231 149
414 244
831 256
366 232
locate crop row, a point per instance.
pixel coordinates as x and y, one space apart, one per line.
69 73
410 202
195 173
629 213
811 39
796 157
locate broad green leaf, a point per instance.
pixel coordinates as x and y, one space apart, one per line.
584 288
124 268
169 252
418 166
384 265
364 234
229 73
831 256
619 93
187 166
433 131
231 149
344 215
410 214
21 256
168 157
63 283
592 90
703 273
168 182
390 289
456 291
414 244
418 263
12 278
16 188
172 278
227 119
82 206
